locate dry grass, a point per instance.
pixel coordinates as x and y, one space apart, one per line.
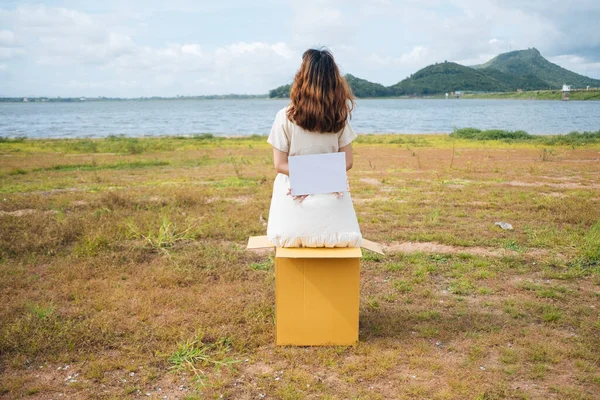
124 260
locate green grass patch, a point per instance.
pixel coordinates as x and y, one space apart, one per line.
490 134
164 236
462 287
571 139
120 144
402 286
193 355
235 181
18 139
589 257
551 315
98 167
263 266
17 171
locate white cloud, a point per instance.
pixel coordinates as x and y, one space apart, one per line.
10 52
190 57
123 48
53 50
58 36
54 21
71 39
188 69
192 49
7 38
79 85
418 56
472 32
321 22
256 52
578 64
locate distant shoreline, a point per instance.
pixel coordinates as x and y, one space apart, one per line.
466 133
548 95
552 95
83 99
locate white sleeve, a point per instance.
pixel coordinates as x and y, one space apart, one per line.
278 137
346 135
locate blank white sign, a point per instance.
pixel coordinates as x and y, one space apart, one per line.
318 173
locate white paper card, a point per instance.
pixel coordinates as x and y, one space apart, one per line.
318 173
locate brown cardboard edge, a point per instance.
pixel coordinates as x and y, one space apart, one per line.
262 242
259 242
317 252
373 246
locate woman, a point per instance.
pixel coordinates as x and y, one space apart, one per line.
315 122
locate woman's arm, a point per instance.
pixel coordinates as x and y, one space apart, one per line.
280 160
349 157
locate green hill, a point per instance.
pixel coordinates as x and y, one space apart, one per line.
280 92
531 62
363 88
447 77
450 77
508 72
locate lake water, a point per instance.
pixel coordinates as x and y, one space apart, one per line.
246 117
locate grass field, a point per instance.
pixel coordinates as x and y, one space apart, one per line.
123 272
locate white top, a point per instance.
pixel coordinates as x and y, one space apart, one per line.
321 220
290 138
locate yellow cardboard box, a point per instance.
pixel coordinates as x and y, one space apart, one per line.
316 293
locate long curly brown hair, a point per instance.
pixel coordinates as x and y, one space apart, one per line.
321 99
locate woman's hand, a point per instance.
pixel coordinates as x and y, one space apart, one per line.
341 194
302 197
299 198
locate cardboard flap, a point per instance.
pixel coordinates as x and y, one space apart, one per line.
259 242
367 244
262 242
318 252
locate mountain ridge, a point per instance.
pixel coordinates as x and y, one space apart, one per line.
532 61
507 72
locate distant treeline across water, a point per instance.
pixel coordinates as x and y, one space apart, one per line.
153 98
256 115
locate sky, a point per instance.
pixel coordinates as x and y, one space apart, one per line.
135 48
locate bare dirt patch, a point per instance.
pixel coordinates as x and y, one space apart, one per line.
259 368
23 213
430 247
569 185
56 191
238 199
371 181
553 194
262 252
374 199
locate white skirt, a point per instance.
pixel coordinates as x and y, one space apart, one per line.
321 220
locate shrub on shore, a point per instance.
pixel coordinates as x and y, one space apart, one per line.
490 134
18 139
573 138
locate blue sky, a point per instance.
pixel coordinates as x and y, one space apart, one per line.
184 47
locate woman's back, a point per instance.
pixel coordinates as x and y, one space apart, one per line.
322 220
290 138
315 122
